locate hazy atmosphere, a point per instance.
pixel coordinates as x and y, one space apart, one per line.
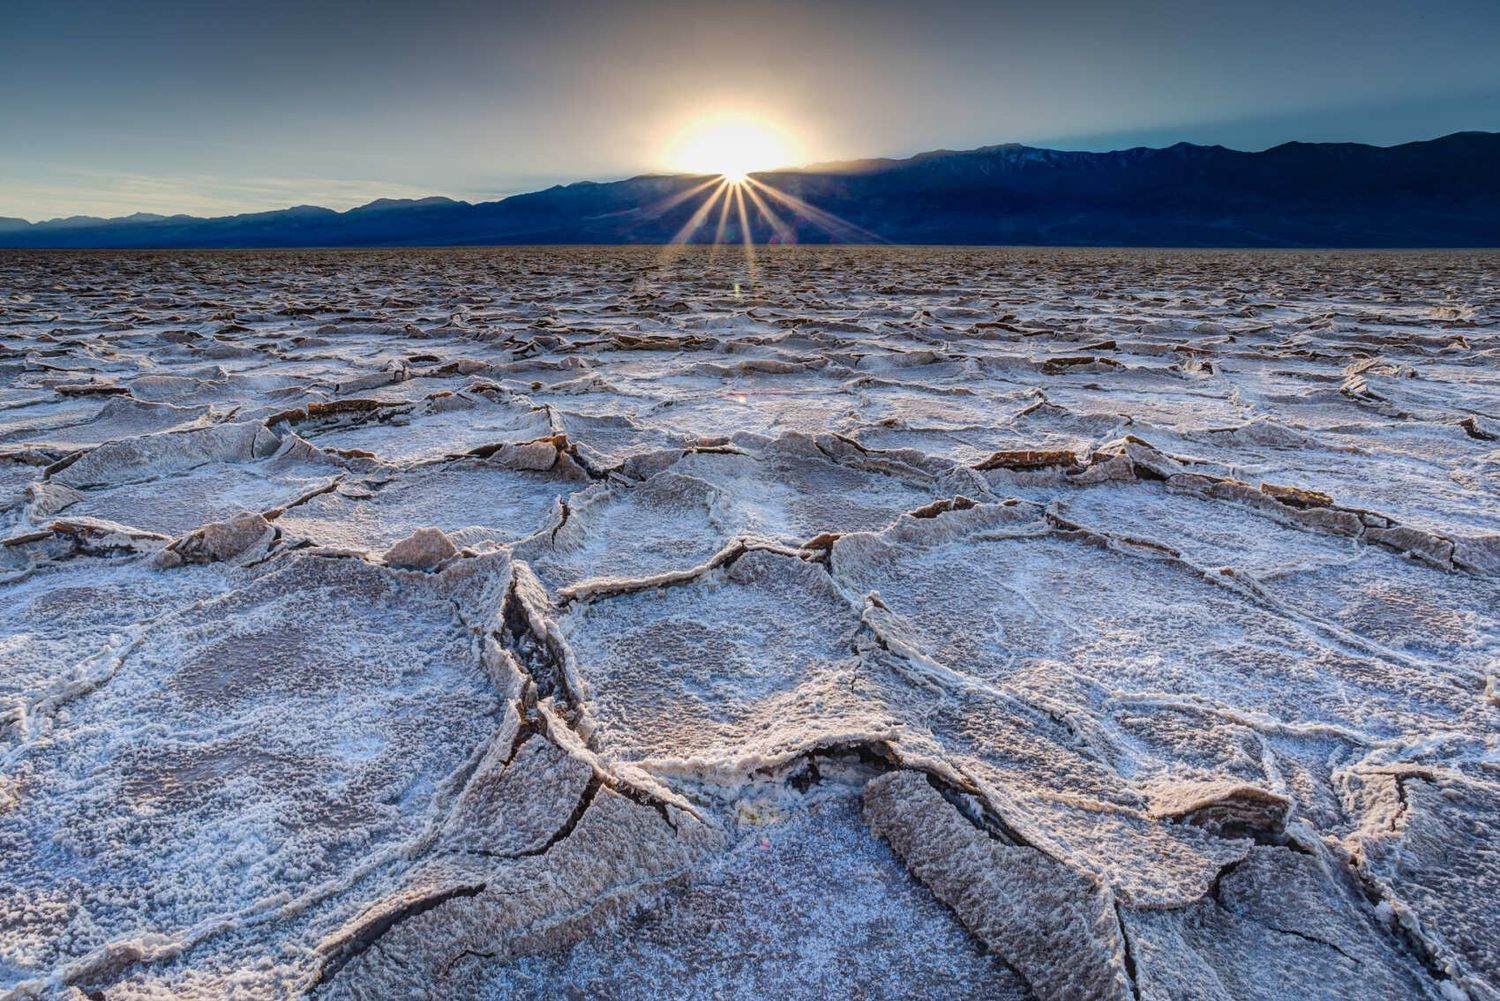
114 108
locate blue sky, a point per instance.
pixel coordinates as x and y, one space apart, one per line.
111 108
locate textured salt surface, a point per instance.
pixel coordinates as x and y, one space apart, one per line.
912 623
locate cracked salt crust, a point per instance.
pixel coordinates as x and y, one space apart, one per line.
941 623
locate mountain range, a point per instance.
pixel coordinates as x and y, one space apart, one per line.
1438 193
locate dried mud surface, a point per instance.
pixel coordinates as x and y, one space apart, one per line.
870 623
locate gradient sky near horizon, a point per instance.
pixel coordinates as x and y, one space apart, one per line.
116 106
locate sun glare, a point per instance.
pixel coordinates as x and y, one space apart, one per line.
730 147
733 198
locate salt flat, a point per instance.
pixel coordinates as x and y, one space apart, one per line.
629 623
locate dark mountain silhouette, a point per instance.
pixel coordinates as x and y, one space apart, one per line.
1440 193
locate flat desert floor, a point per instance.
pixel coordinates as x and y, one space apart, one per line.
862 623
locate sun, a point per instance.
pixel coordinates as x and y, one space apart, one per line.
732 147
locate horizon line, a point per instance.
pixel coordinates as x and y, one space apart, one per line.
788 169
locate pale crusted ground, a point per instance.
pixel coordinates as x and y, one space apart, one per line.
915 623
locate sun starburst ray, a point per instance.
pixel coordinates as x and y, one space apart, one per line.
749 238
719 230
825 220
660 208
741 152
784 233
701 213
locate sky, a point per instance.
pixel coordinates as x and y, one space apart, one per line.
109 108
